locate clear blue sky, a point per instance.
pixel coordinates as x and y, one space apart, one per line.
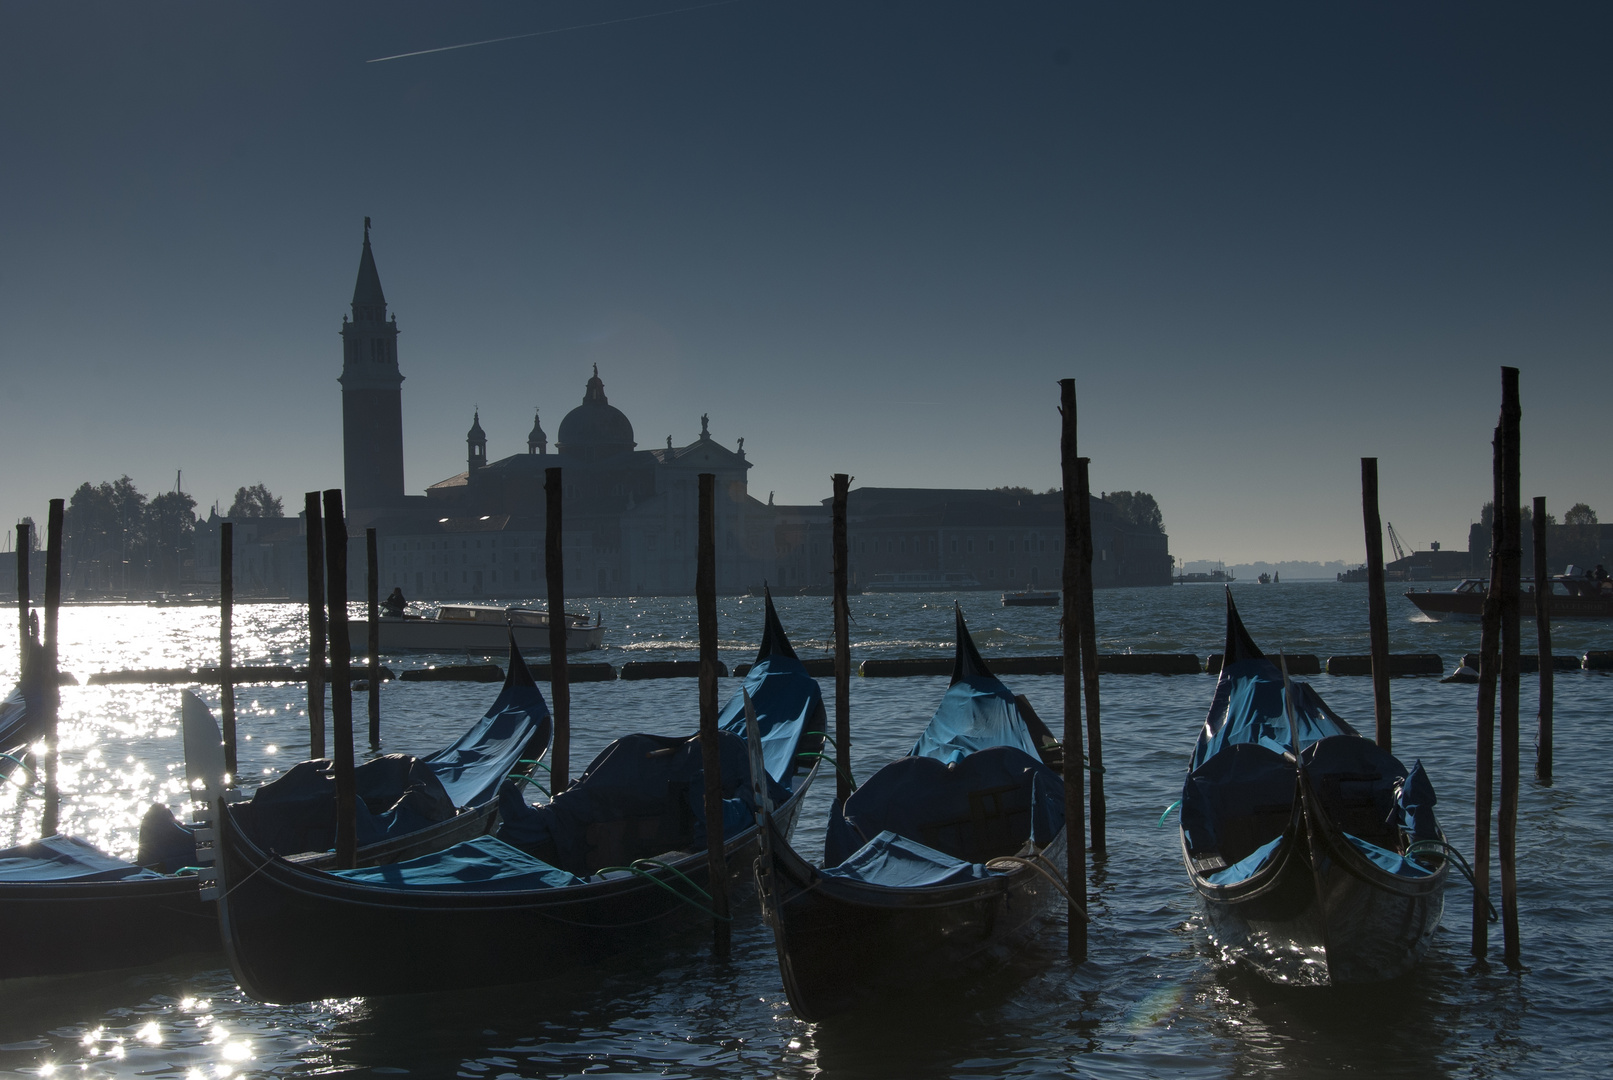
1265 239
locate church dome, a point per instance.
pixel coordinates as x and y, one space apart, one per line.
595 429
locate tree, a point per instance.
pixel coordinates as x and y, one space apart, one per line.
1014 490
1137 508
255 502
171 526
1579 514
33 533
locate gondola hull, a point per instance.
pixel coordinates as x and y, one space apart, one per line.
294 935
1324 915
65 928
843 943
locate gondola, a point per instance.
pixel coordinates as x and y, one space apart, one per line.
615 862
68 907
938 860
19 726
1317 854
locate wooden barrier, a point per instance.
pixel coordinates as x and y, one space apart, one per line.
1599 660
1399 664
1298 663
666 669
240 674
1529 663
455 673
1108 664
818 668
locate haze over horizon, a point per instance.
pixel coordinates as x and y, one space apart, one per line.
868 238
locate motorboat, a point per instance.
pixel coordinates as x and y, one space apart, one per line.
1571 597
483 629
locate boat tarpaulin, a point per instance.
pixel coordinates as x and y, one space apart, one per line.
786 699
485 864
65 858
897 862
472 769
977 712
989 802
643 796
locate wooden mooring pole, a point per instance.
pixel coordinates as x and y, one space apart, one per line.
1377 604
1074 790
373 646
314 522
1089 664
554 561
24 599
1511 650
842 629
226 644
51 692
1484 769
710 748
341 679
1543 630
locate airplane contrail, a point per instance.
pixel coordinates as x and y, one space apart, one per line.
557 30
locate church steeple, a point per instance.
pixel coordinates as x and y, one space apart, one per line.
369 302
537 442
476 441
372 400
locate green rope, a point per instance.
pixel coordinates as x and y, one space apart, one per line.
21 765
534 761
1167 813
637 868
525 779
824 735
838 770
1461 864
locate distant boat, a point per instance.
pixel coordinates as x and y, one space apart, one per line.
1031 598
923 581
479 628
1571 598
1218 577
1265 579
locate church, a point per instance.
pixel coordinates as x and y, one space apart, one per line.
630 523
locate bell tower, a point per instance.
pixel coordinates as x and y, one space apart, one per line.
372 394
476 444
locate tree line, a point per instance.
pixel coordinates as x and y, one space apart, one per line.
116 540
1135 508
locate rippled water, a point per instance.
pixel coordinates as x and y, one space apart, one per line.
1151 1000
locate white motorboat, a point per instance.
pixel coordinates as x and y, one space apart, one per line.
478 628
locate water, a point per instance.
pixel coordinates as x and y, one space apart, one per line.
1151 1001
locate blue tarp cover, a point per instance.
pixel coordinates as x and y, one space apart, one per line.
899 863
787 701
973 786
485 864
643 796
1391 861
65 858
472 769
1248 707
1247 866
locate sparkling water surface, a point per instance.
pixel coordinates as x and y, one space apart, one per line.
1152 999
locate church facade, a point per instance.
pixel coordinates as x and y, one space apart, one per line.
630 524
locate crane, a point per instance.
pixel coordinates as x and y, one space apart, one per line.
1394 541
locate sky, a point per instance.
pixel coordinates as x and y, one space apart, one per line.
1266 240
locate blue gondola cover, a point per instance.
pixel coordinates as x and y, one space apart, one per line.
485 864
65 858
899 863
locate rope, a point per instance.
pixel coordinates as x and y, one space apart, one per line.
1461 864
21 765
533 761
838 770
525 779
637 868
1004 862
1167 813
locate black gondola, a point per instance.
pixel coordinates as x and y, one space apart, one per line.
70 908
614 862
1317 854
938 859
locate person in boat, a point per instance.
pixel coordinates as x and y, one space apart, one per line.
395 603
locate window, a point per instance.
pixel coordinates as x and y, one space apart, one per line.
971 546
991 546
1010 546
991 573
954 545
